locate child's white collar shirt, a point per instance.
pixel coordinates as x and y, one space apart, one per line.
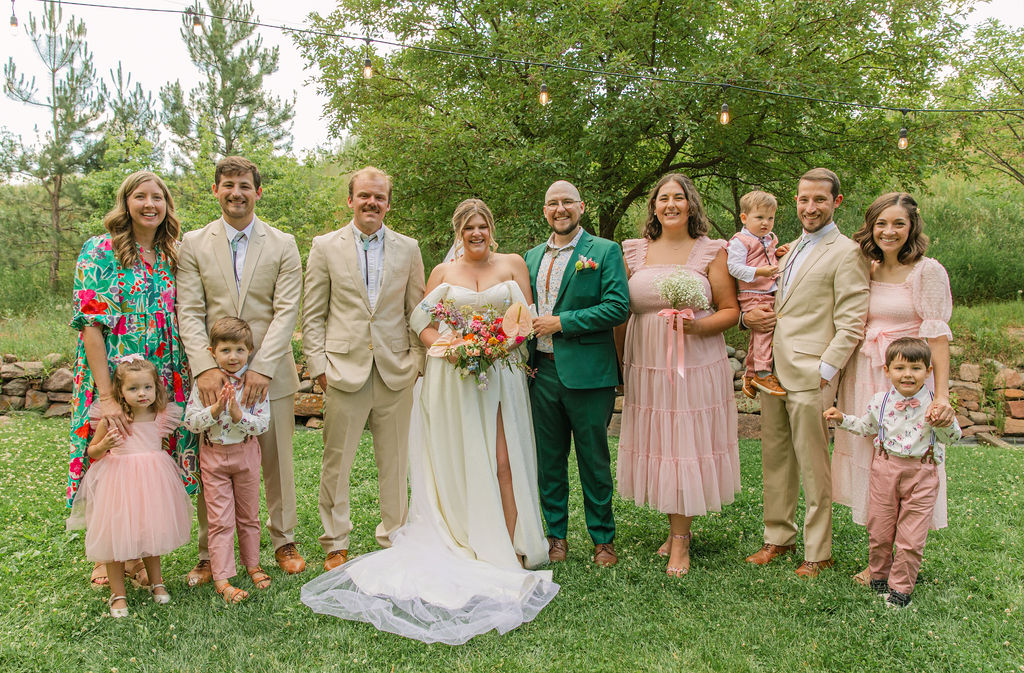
221 430
901 427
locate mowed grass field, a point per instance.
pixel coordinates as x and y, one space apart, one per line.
967 614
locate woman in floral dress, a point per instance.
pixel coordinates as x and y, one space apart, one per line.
124 304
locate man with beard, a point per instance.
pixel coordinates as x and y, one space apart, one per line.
580 285
240 266
819 319
363 282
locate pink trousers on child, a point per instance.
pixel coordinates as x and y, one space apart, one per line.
902 493
231 488
759 351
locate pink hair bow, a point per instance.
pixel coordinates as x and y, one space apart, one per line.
674 347
131 357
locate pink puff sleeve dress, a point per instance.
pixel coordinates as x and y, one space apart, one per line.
678 449
919 307
132 502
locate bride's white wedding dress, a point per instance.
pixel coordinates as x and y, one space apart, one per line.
452 573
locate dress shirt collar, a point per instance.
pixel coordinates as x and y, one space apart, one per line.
764 239
571 244
237 376
231 232
922 396
379 234
813 238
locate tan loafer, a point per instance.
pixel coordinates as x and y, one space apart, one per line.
335 558
289 559
769 552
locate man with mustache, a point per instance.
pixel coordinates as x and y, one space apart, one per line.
579 282
240 266
819 317
363 282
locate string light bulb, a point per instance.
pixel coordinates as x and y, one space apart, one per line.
723 116
367 68
545 97
197 24
14 21
904 142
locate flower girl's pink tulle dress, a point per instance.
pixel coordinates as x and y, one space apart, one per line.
132 502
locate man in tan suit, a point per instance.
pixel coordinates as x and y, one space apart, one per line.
242 267
363 281
819 319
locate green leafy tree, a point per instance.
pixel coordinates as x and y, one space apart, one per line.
72 104
450 127
230 102
991 76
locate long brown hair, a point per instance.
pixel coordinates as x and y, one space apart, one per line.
697 219
136 363
119 223
917 241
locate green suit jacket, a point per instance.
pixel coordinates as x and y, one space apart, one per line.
591 302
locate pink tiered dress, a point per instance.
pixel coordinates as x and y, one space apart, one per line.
132 502
678 450
919 307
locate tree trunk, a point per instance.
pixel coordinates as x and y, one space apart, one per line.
55 231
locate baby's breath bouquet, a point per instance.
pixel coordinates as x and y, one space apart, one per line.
682 289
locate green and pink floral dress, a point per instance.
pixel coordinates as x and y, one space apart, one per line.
135 309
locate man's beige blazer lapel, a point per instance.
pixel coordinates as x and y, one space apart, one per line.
252 258
813 257
346 241
221 248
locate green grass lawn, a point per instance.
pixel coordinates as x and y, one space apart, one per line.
724 616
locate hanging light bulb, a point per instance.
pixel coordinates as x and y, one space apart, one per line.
904 142
367 68
197 24
14 21
723 116
545 98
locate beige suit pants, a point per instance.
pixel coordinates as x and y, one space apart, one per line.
345 415
278 478
794 446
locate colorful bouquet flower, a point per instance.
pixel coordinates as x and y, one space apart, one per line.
585 263
481 338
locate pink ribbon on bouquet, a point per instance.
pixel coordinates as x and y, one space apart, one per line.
674 347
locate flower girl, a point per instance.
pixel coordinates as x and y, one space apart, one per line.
132 502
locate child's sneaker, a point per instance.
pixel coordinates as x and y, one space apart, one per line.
897 600
880 586
748 390
768 384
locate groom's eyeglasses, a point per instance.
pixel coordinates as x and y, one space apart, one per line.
565 203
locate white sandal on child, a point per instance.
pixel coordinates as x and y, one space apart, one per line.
162 599
117 612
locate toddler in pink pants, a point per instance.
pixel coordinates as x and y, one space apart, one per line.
229 460
904 482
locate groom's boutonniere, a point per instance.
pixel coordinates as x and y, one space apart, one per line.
585 263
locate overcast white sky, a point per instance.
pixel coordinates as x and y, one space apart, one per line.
152 50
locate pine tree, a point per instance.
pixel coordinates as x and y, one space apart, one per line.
230 103
73 105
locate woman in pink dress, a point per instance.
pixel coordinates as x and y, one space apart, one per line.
678 450
909 297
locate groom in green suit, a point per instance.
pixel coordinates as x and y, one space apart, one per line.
579 282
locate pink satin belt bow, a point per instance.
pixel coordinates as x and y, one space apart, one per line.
877 340
674 347
913 403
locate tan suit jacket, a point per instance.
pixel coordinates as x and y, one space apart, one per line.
820 315
341 336
268 300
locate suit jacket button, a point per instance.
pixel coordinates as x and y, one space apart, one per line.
371 347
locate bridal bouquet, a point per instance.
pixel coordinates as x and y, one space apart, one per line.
480 338
685 293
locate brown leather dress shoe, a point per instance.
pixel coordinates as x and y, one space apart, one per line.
201 574
810 569
604 555
335 559
289 559
558 549
768 552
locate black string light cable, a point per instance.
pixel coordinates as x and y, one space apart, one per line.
724 115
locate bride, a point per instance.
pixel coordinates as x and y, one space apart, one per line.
459 567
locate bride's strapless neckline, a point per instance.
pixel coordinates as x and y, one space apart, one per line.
489 287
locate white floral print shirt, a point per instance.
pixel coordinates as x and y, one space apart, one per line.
221 430
902 432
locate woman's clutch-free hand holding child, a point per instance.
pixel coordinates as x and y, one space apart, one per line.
105 439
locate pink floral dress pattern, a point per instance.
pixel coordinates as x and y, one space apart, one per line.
135 309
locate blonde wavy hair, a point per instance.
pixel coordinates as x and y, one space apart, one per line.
464 212
119 223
